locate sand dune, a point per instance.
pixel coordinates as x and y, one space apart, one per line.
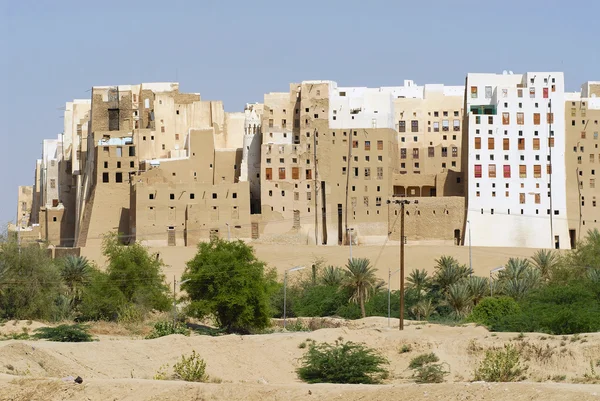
263 366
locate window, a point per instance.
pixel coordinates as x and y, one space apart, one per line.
522 198
477 143
491 143
105 177
379 145
532 92
414 126
214 195
536 118
473 92
505 118
308 174
537 171
507 171
478 171
490 119
436 126
444 152
295 173
550 118
505 144
522 171
520 118
415 153
401 126
521 143
431 151
456 125
592 183
488 92
536 143
380 173
52 183
549 169
403 153
367 173
118 177
445 125
150 196
454 151
367 145
492 171
192 196
269 173
537 198
355 144
551 142
282 173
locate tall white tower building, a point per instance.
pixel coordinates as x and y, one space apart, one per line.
516 160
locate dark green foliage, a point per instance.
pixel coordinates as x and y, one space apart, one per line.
30 284
101 299
556 309
320 300
228 281
491 309
73 333
361 280
137 274
423 359
166 328
342 362
76 273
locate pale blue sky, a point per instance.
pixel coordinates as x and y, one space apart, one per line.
52 51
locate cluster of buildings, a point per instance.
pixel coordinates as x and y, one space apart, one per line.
507 160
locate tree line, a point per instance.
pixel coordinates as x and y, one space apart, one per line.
550 292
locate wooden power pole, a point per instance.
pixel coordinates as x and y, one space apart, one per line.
402 265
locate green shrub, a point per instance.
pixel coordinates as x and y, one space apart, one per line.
342 362
405 348
166 328
191 369
503 365
490 309
430 373
64 333
296 325
423 359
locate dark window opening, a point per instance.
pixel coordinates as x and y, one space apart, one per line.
119 177
105 177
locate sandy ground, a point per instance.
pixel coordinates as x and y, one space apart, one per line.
386 257
262 367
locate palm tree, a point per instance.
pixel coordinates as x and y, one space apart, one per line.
519 278
419 281
459 299
75 272
545 260
423 309
448 272
515 268
332 276
478 288
361 280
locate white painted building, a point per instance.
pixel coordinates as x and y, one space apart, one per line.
516 160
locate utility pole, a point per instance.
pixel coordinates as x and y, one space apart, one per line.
470 258
402 203
551 142
315 187
347 184
401 327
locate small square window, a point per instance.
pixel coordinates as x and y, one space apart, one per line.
192 196
214 195
172 196
234 195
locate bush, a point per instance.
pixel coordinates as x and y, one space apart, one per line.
430 373
166 328
342 362
30 284
556 309
64 333
191 369
226 280
423 359
502 365
490 309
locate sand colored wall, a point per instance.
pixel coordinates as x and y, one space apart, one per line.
582 151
